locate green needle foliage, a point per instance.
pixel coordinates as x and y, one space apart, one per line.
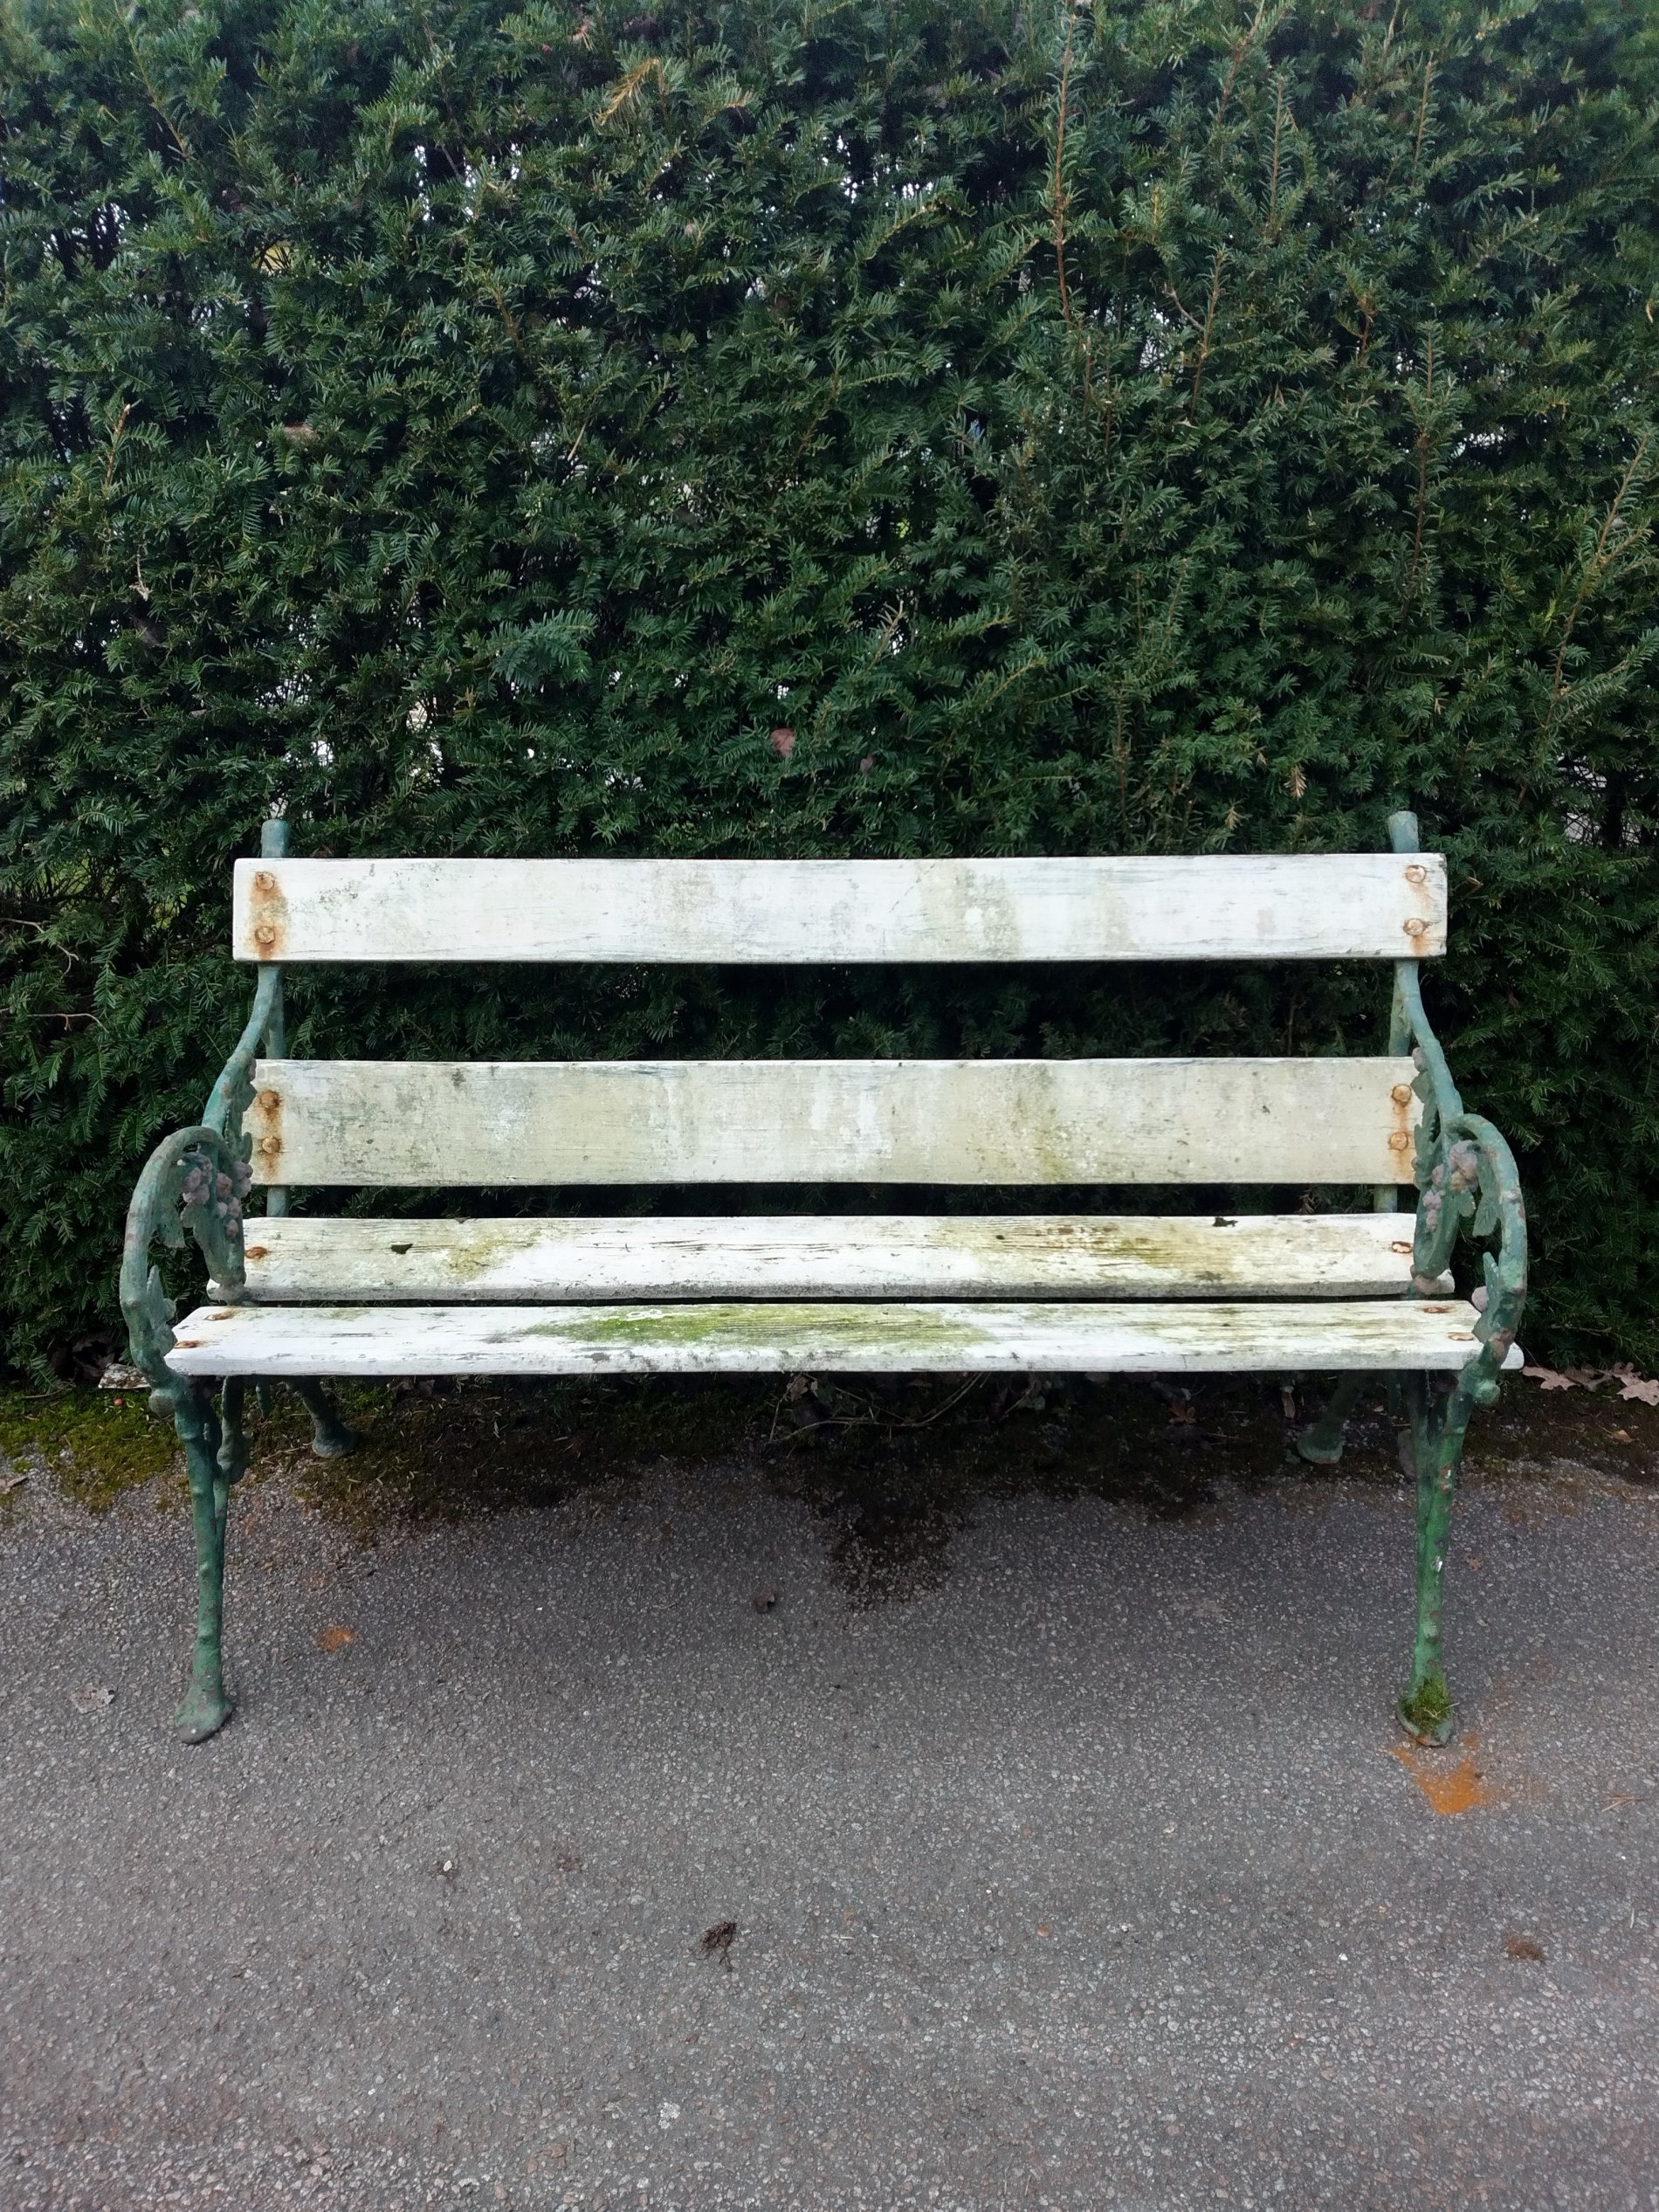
794 428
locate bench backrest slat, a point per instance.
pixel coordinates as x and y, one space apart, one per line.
1380 905
342 1259
479 1124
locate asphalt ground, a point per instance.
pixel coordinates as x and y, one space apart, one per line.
1055 1848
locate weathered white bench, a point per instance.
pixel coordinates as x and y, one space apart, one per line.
1358 1293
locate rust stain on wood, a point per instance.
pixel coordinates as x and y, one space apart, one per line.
268 916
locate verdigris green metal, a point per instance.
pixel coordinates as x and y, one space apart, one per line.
192 1189
1467 1184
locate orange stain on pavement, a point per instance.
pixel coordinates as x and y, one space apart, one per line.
1448 1789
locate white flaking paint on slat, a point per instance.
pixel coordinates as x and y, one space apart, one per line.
1008 1122
342 1260
954 1337
1281 907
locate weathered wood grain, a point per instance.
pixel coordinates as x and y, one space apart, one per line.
335 1260
1281 907
906 1121
957 1337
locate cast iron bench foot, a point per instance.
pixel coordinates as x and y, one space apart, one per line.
330 1438
1425 1713
204 1711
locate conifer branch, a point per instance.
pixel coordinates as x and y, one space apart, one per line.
1061 195
1603 560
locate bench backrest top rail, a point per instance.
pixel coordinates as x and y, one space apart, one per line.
485 1124
1364 905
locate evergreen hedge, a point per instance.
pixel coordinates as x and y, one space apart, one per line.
792 428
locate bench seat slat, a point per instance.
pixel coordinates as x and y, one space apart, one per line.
484 1124
1246 906
955 1337
335 1260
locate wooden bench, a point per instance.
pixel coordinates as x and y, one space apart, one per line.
1359 1294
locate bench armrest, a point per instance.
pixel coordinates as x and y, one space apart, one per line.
1466 1176
1467 1179
193 1183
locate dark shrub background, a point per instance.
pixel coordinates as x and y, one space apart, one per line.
1122 429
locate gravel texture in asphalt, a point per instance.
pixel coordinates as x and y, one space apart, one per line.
546 1863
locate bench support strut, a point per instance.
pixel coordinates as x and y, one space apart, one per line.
330 1436
1320 1442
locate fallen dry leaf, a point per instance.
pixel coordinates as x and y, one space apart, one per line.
1524 1947
783 741
9 1483
765 1600
1619 1436
1640 1388
335 1638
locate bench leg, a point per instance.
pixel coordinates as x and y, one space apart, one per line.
1320 1442
330 1438
1437 1446
215 1457
216 1454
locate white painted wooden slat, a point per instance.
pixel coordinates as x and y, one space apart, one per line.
908 1121
1280 906
335 1260
765 1339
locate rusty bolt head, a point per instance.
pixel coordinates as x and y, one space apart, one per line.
1414 874
1401 1095
263 881
269 1144
1416 926
269 1101
1399 1140
266 933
